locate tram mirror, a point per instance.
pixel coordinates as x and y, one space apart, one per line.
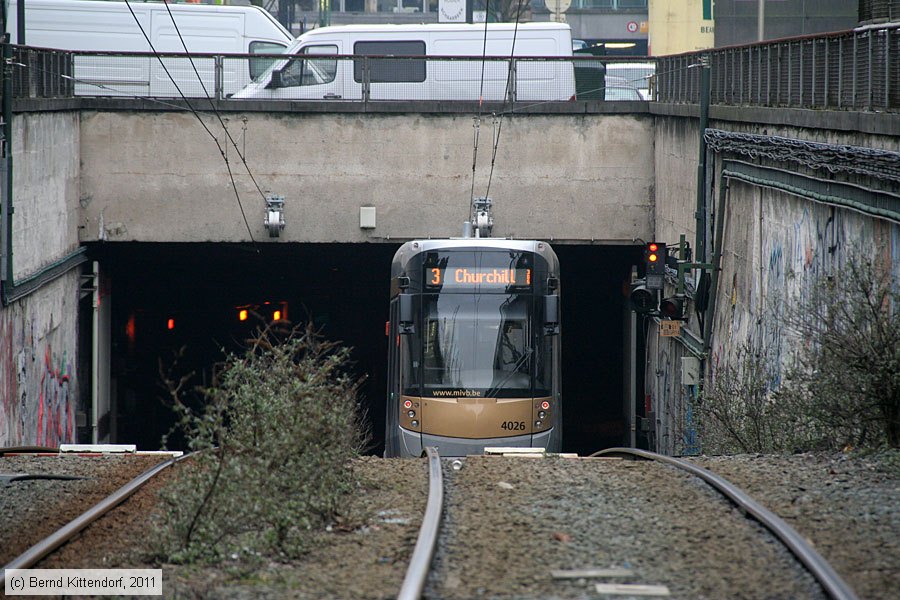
551 314
406 313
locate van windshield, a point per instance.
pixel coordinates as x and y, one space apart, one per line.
276 64
260 66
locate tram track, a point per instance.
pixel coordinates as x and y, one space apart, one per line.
451 584
832 583
47 545
532 528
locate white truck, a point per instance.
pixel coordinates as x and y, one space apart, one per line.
408 77
100 26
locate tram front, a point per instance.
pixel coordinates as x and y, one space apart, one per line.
474 347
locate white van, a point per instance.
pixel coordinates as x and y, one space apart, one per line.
92 25
332 78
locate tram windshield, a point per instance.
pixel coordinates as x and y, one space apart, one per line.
477 345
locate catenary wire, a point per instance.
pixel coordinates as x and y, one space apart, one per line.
211 103
199 118
506 100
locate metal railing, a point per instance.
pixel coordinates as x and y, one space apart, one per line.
43 73
853 70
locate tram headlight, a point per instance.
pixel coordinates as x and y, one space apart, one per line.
542 414
411 414
538 423
415 423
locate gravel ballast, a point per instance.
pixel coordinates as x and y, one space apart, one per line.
512 521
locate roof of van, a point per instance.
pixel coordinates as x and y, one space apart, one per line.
418 27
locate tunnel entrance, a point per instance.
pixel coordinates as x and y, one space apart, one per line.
169 297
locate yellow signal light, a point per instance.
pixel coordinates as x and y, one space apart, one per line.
242 314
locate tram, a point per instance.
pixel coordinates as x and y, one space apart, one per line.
473 347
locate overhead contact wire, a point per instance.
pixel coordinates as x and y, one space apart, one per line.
507 99
195 113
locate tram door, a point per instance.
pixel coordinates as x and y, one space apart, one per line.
392 416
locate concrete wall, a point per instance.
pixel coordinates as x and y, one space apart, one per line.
39 333
160 176
777 247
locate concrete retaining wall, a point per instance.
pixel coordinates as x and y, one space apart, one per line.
39 333
777 247
160 177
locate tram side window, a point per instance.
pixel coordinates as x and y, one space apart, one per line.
543 372
410 371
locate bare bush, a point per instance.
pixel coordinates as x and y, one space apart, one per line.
849 370
275 439
738 412
842 382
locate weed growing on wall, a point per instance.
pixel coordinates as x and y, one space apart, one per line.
848 372
739 413
274 439
842 383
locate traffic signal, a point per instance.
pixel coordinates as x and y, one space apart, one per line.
643 300
655 264
672 308
655 256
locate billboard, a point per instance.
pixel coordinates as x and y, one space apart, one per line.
678 26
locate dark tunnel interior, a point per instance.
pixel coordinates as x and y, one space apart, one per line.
171 296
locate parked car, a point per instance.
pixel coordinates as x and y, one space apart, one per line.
637 74
622 92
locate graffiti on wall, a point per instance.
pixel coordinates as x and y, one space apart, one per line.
55 418
796 247
37 376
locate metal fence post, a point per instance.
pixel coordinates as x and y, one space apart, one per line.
219 77
511 92
887 69
366 82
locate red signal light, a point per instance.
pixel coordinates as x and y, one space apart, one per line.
653 247
170 324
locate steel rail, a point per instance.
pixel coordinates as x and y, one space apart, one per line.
56 539
825 575
419 564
